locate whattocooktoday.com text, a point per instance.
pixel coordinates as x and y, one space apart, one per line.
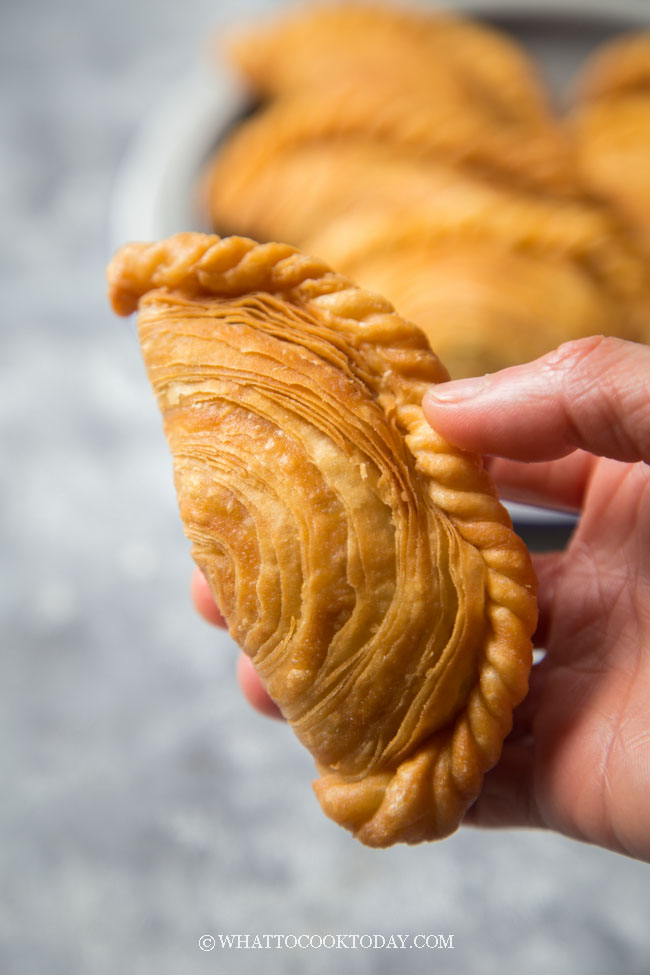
341 942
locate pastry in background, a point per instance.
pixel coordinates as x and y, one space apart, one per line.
483 306
290 193
316 45
440 202
418 153
432 85
619 67
611 127
379 120
363 563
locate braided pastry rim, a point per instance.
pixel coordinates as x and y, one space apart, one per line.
207 265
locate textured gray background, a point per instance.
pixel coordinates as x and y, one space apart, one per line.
144 803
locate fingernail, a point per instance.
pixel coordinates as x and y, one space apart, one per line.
457 390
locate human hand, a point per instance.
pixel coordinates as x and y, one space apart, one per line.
246 674
578 759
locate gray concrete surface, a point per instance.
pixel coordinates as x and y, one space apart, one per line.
144 805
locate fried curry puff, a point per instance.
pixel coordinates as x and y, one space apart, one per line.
363 563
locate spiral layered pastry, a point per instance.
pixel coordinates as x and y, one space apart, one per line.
363 563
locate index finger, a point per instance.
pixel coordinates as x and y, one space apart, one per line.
560 483
592 394
204 601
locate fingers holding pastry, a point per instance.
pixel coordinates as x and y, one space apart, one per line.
253 690
204 600
557 483
508 795
249 682
590 394
362 562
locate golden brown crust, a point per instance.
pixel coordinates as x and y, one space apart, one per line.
364 563
613 140
341 198
482 306
610 125
320 44
437 83
390 116
448 207
494 279
387 126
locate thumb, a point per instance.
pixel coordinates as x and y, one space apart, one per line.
592 393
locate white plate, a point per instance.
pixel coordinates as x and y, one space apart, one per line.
155 189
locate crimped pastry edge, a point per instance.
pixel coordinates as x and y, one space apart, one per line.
445 774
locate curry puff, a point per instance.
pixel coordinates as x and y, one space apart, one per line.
482 305
396 116
363 563
491 278
429 84
365 42
611 127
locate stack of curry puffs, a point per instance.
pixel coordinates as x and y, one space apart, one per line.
419 154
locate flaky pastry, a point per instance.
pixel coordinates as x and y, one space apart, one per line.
363 563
